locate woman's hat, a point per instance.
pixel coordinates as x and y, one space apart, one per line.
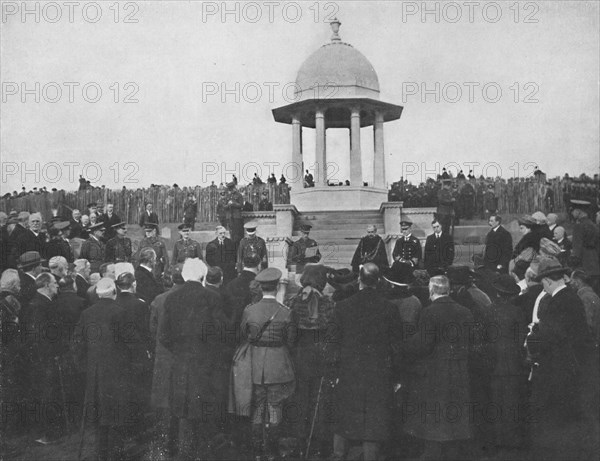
505 284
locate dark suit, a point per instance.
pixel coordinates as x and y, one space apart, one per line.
498 250
76 229
147 286
238 295
439 253
224 256
28 288
28 241
82 286
146 218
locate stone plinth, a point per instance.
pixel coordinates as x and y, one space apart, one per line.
391 216
338 198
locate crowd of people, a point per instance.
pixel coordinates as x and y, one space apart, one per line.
213 354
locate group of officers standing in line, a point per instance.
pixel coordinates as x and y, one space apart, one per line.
344 355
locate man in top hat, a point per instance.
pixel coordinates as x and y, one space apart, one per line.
110 220
190 210
221 252
445 208
371 249
233 212
265 204
152 240
407 250
149 216
185 247
439 250
118 249
297 253
250 244
562 346
586 243
498 246
269 328
93 248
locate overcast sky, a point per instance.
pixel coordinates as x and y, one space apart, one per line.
527 74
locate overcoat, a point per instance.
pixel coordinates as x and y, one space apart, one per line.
148 287
224 256
498 250
191 333
438 405
103 349
370 329
439 252
586 246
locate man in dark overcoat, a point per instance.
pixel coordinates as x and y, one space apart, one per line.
437 409
110 219
103 352
445 208
370 329
565 381
241 291
32 239
439 250
149 216
498 246
221 252
147 287
371 248
191 332
586 244
137 317
297 252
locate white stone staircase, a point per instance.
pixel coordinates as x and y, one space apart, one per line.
338 232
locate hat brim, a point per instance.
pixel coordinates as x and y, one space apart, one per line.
31 264
555 271
398 284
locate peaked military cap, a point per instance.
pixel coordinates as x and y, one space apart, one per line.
269 275
183 227
97 226
305 228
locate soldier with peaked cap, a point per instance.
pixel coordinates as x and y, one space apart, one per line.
118 248
151 240
185 247
269 329
407 250
371 249
233 213
93 248
252 244
297 253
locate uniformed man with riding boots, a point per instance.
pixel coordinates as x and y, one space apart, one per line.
250 244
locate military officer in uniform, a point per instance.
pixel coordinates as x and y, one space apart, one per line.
269 328
233 213
185 247
93 248
407 252
252 243
297 253
151 240
118 249
445 209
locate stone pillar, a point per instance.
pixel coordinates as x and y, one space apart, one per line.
356 178
297 146
321 149
392 214
379 156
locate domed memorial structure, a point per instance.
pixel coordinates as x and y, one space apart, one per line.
337 87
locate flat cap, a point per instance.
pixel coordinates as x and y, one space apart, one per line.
269 275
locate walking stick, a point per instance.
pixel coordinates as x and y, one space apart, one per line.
82 429
62 393
314 419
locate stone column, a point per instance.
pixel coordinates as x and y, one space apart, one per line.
356 178
321 149
297 146
379 156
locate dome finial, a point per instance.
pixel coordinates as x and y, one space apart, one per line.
335 27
